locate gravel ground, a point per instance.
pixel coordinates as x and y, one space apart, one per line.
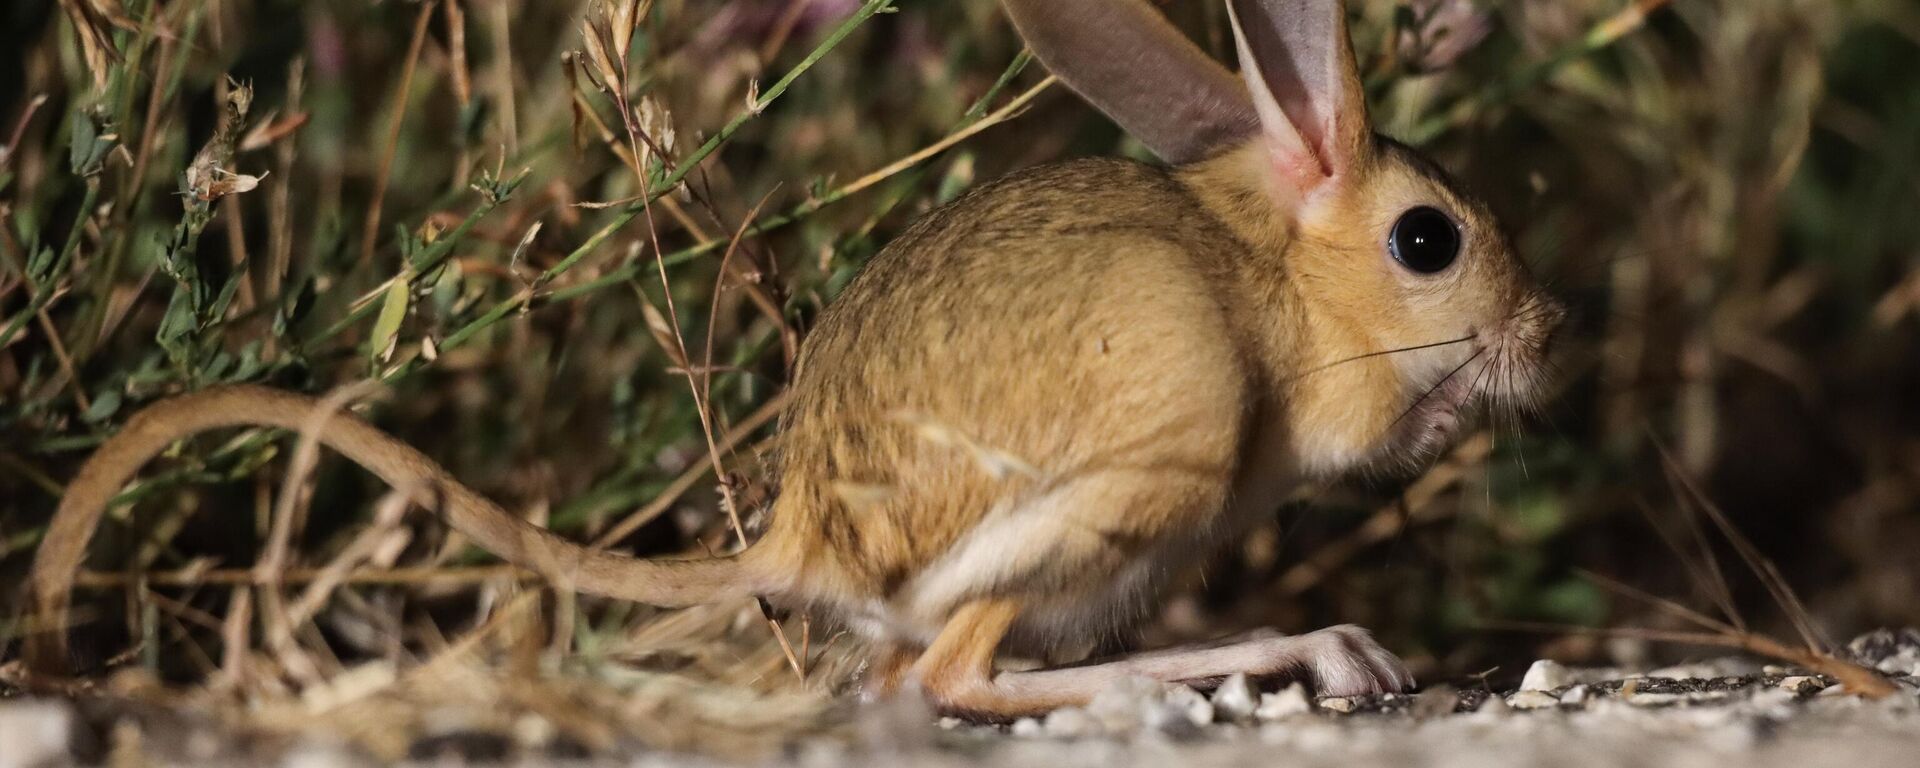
1705 714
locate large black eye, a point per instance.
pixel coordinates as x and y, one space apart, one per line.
1424 240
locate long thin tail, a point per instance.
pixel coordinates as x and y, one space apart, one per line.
670 583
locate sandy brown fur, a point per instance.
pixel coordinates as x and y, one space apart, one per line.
1097 291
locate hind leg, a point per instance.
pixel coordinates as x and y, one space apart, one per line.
956 671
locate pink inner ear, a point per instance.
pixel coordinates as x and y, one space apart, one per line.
1298 148
1300 73
1302 169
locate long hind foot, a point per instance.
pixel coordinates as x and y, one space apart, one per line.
956 671
1342 660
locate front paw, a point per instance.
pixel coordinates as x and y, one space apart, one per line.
1344 660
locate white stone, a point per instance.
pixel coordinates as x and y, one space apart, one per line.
532 730
321 755
1070 723
35 732
1337 704
1532 700
1235 700
1546 675
1191 704
1170 718
1801 684
1287 703
1028 728
1576 695
1121 705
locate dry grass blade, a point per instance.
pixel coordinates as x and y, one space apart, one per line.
282 626
1706 575
93 22
1761 566
1011 110
1813 655
370 232
20 128
1670 606
713 315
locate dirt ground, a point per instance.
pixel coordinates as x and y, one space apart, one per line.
1706 714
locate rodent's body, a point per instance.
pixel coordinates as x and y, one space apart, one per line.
1048 397
1036 389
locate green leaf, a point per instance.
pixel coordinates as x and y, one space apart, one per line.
80 144
105 404
393 309
176 323
40 265
250 363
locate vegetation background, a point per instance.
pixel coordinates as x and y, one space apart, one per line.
576 244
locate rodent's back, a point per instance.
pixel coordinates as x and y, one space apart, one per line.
978 342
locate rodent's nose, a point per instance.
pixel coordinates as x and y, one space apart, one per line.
1552 311
1546 314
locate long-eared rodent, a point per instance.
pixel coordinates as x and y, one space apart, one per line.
1047 397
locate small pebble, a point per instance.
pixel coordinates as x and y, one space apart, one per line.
321 755
950 723
1802 684
1574 696
1893 651
533 731
1235 700
1120 707
1028 728
1171 719
1532 700
1340 704
1287 703
35 732
1191 704
1546 675
1070 723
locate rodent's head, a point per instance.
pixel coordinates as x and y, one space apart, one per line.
1415 307
1405 302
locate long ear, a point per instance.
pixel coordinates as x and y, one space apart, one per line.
1131 63
1299 66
